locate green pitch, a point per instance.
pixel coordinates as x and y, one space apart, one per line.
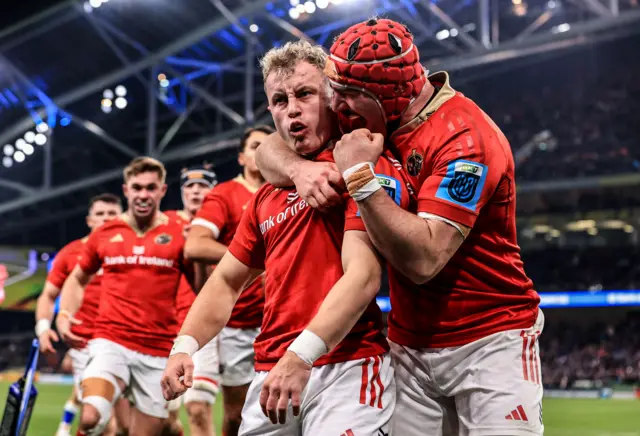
562 417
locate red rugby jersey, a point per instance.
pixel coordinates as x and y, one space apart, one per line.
142 273
300 250
64 262
221 212
461 165
186 295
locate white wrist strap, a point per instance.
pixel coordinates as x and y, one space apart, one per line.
42 326
185 344
308 346
369 188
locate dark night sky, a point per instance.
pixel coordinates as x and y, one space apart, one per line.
13 12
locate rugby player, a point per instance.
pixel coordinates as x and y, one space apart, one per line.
141 255
211 232
102 208
465 321
304 252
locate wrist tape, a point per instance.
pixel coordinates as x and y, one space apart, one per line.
42 326
361 181
308 346
185 344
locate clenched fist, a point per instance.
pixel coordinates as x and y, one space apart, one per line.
357 147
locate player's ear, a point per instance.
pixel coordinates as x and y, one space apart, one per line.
241 160
88 221
163 189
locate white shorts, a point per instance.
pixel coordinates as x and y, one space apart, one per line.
235 347
354 398
141 373
206 377
79 361
490 387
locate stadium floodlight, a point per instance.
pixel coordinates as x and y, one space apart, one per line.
95 3
294 3
300 9
19 156
121 102
161 77
41 139
107 93
294 14
87 7
164 83
309 7
20 143
336 2
8 150
7 162
28 149
551 4
121 91
106 109
322 4
561 28
442 35
42 127
254 28
29 137
106 102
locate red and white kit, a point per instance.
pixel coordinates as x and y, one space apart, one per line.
351 389
136 323
221 212
206 372
466 342
64 262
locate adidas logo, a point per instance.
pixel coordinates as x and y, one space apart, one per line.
117 238
517 414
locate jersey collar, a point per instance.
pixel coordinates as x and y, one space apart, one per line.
160 219
240 179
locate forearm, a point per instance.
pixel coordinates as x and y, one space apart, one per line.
204 250
46 302
72 294
276 161
405 240
344 305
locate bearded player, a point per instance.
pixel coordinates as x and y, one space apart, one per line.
102 208
315 263
141 255
465 321
211 232
195 183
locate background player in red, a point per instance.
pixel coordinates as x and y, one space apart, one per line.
102 208
211 232
195 183
141 255
351 387
465 320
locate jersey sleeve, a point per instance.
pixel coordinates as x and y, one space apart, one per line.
214 212
394 185
90 260
63 264
466 170
248 245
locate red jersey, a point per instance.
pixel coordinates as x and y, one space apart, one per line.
186 295
142 272
64 262
300 250
221 212
462 168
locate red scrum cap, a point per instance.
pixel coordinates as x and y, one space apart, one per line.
378 57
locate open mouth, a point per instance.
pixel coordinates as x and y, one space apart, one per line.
143 207
297 129
349 114
350 121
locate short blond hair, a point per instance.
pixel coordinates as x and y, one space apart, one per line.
284 59
145 164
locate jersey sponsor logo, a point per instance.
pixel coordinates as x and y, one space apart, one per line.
293 196
289 212
138 260
463 183
414 163
163 239
138 249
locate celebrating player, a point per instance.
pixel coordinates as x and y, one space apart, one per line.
195 183
304 252
141 255
102 208
211 232
465 320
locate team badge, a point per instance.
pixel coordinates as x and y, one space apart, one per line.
163 239
414 163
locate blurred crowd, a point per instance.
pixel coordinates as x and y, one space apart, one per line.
605 354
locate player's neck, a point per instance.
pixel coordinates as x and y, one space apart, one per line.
142 224
418 104
188 213
253 179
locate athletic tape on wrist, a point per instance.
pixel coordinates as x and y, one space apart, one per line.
308 346
361 181
185 344
42 326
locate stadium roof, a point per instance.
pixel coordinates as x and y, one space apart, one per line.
192 84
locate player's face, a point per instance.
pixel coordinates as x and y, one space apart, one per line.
144 193
247 157
193 196
357 110
299 104
101 212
